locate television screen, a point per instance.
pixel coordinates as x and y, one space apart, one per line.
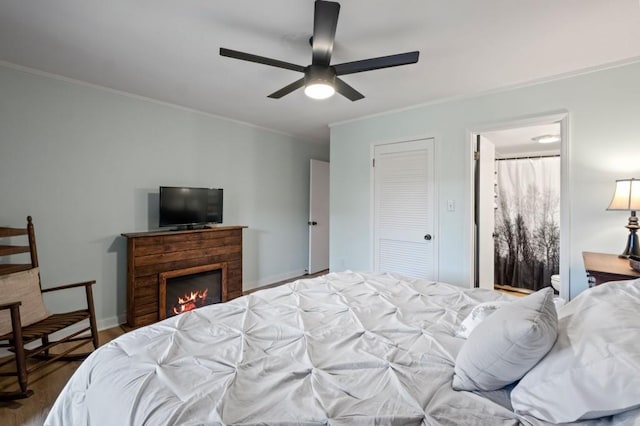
185 206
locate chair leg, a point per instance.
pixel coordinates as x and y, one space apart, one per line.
45 342
21 359
92 317
94 332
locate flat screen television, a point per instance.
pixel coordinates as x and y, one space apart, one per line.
188 208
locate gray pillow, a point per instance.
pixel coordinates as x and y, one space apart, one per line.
507 344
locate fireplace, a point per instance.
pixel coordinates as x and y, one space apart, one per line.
150 254
182 290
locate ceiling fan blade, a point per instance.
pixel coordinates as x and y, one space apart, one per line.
260 59
347 91
287 89
377 63
325 21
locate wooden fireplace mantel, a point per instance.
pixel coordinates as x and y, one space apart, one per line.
150 254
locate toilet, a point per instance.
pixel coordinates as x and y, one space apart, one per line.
555 283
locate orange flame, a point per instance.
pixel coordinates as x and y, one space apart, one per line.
190 301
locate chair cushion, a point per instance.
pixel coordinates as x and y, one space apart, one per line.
24 287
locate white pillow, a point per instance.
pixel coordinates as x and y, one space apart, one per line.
559 302
593 370
507 344
478 314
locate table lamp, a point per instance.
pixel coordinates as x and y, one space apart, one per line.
627 198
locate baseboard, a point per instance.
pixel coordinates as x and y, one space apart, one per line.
251 286
111 322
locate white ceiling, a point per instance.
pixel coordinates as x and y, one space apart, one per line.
519 141
168 49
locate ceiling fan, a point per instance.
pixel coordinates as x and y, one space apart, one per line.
321 78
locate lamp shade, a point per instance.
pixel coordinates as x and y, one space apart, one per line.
627 195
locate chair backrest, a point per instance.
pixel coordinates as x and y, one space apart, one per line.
7 251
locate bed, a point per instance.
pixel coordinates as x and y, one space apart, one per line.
344 348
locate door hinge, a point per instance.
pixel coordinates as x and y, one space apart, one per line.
373 162
476 155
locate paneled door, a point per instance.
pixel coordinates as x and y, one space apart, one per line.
318 217
485 212
404 209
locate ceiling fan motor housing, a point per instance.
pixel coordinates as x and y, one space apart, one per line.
319 74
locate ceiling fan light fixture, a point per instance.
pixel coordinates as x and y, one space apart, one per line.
319 82
321 79
319 90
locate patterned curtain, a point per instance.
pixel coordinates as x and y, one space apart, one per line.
527 243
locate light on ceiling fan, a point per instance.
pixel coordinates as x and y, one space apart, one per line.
319 90
319 82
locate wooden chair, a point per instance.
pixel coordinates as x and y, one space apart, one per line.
26 325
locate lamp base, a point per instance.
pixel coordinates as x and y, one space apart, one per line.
632 248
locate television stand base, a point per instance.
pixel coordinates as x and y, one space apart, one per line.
189 227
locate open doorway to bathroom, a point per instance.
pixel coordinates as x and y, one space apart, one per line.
517 207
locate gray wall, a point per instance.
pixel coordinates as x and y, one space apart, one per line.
86 163
604 141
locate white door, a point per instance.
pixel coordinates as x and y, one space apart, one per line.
404 209
318 217
485 212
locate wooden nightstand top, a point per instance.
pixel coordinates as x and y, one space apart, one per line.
608 267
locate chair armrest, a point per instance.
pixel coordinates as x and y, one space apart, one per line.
64 287
9 305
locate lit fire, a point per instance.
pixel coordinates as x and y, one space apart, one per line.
190 301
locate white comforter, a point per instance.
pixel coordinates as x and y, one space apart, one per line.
344 348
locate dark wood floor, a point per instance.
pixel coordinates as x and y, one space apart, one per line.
46 385
48 382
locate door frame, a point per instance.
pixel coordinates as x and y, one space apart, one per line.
561 117
436 199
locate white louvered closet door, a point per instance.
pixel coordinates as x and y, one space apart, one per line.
404 209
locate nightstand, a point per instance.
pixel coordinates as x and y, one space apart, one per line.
602 267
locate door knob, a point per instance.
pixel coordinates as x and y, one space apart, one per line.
312 223
428 237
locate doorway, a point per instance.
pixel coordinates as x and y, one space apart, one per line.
518 178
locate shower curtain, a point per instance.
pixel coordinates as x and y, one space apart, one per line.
527 227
